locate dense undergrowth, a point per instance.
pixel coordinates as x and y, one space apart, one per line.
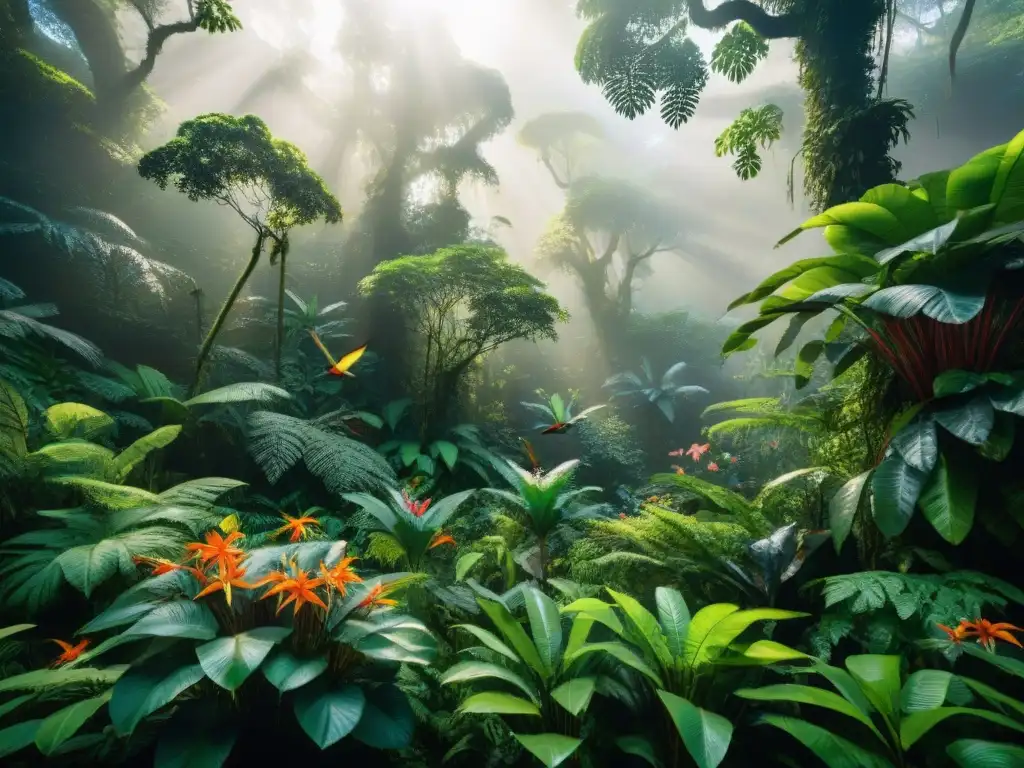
262 562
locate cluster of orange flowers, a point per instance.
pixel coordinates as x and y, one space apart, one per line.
220 566
984 630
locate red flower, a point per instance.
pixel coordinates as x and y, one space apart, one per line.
734 459
712 467
622 515
415 508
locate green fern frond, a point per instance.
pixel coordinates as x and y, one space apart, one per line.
135 453
385 549
277 442
242 392
15 325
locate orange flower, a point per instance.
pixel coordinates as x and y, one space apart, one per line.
217 549
71 652
988 632
161 566
298 586
441 538
696 451
376 597
232 577
679 470
652 499
958 633
297 526
622 515
733 459
340 575
712 467
416 508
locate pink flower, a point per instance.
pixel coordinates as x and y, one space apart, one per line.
677 452
696 451
734 459
712 467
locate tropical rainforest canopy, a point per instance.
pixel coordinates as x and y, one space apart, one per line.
511 384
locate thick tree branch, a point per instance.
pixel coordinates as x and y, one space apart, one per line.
154 44
767 26
930 31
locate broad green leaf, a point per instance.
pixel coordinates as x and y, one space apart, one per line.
477 670
489 639
14 629
714 628
957 382
842 509
674 617
622 653
575 694
178 618
240 392
771 652
972 421
465 563
515 635
596 610
229 661
130 457
1009 400
144 689
64 723
975 753
918 443
579 633
449 452
328 716
879 679
833 750
949 498
552 749
638 746
925 689
805 359
546 627
12 704
1000 440
916 725
43 679
705 735
493 703
647 633
286 672
895 488
87 566
388 721
851 263
16 737
816 697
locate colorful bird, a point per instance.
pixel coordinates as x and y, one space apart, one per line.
564 426
535 465
679 470
70 652
339 367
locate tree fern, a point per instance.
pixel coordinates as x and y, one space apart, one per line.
278 442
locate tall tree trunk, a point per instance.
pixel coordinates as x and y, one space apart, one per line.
225 310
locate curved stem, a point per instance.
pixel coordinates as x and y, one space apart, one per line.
222 316
279 341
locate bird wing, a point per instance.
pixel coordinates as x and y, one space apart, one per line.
350 359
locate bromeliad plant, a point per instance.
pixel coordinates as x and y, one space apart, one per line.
662 392
552 681
680 655
927 278
413 527
543 503
323 637
871 693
